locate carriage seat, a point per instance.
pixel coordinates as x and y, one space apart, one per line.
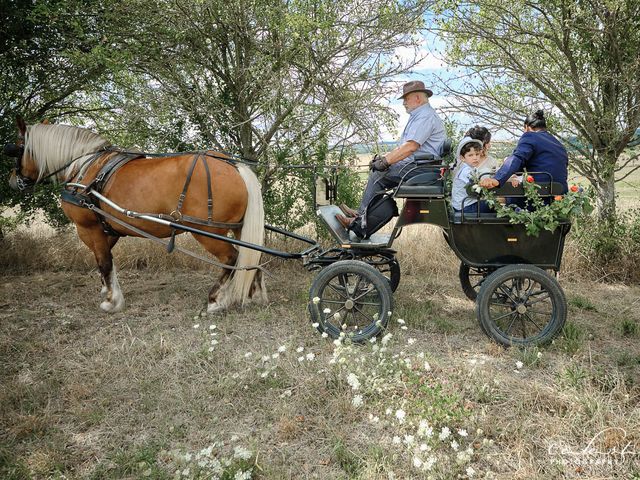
427 184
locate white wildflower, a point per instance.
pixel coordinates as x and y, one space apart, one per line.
357 401
411 341
429 463
400 414
462 432
444 433
455 445
197 325
386 338
301 359
326 310
396 439
282 348
519 364
315 325
424 430
427 367
212 327
352 380
400 321
311 356
324 335
300 349
409 439
316 300
248 354
241 453
417 462
470 472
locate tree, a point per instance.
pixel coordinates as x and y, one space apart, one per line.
579 59
48 52
261 76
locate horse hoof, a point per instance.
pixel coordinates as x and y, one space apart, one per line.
214 308
104 290
112 307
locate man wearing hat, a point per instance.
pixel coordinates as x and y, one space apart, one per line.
424 134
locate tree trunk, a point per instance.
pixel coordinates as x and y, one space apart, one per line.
606 197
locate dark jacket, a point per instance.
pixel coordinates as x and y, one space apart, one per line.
537 152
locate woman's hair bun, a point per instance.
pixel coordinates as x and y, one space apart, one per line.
536 120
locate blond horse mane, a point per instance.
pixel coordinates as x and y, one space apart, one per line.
53 146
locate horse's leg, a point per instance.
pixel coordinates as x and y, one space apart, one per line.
100 244
112 241
226 254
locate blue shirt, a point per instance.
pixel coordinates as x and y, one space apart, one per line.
537 152
459 189
426 129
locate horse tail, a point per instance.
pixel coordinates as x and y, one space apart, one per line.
240 285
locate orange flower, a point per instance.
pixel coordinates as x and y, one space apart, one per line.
529 179
574 188
558 198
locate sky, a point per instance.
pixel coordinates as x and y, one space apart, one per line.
431 66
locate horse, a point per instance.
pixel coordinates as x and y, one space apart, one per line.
210 186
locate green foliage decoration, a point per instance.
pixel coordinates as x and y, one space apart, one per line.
539 215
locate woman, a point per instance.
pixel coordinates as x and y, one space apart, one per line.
536 151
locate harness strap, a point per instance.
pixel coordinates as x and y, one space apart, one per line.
142 233
186 183
210 195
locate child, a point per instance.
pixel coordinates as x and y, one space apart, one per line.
488 164
469 156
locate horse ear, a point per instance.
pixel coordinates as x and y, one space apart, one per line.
22 126
46 122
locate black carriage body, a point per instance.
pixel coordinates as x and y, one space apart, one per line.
485 240
490 244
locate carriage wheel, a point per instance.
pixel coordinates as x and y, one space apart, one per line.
521 305
387 265
471 279
352 297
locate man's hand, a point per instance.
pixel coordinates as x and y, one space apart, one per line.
488 183
514 180
379 163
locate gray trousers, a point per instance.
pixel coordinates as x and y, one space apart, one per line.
390 178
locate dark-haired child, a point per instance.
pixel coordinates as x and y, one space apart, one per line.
469 157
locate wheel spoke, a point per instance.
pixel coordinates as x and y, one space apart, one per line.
515 317
341 302
532 321
371 289
507 292
502 316
343 294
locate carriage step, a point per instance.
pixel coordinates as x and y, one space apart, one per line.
328 215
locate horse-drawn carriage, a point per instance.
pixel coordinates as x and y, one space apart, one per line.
518 301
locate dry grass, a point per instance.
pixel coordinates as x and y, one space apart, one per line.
89 395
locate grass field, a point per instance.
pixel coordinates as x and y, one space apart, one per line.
161 391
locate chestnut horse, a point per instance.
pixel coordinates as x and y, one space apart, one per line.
152 186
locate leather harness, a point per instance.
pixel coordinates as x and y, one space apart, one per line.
83 198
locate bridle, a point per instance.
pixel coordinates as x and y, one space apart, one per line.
16 150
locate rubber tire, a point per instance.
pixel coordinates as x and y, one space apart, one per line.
365 271
392 275
554 324
465 282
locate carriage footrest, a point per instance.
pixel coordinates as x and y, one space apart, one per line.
328 215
